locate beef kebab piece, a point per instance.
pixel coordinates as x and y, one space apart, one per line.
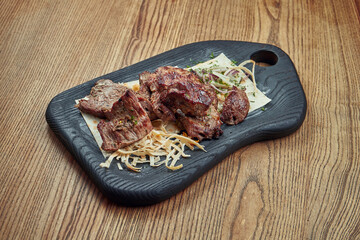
236 107
177 94
102 97
126 120
128 123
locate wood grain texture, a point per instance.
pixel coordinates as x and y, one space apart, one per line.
304 186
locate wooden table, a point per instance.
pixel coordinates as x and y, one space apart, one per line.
304 186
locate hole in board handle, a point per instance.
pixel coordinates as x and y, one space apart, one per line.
264 58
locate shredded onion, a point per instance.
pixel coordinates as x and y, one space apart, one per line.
217 89
224 78
231 71
251 73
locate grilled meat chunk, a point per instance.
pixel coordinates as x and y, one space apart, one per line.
202 127
102 97
146 104
181 89
160 109
171 88
148 83
128 123
176 93
236 107
149 89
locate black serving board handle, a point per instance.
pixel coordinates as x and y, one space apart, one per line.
282 116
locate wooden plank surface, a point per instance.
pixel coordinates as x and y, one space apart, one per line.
304 186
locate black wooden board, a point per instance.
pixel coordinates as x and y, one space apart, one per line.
282 116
